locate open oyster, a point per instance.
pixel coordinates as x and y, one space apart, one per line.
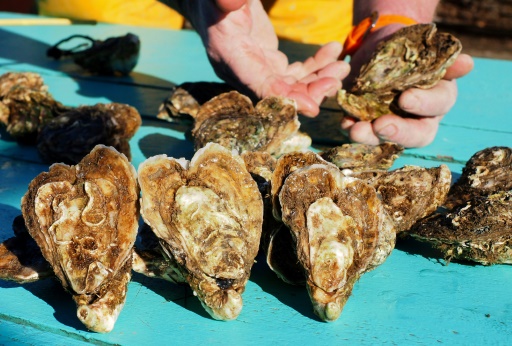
26 105
84 219
208 215
475 222
416 56
362 157
231 120
73 134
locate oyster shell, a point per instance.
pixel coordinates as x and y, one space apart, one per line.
20 257
208 215
416 56
335 222
475 221
26 105
73 134
84 218
479 230
231 120
411 192
363 157
486 172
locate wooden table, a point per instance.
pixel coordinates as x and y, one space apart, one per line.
411 298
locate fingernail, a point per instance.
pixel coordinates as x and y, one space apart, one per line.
387 132
410 102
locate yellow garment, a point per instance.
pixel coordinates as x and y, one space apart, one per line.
306 21
311 21
150 13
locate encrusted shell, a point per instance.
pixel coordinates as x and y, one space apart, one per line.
231 120
208 215
415 56
84 218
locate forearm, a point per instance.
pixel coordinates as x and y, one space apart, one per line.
420 10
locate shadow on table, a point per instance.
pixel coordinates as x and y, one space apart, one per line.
293 296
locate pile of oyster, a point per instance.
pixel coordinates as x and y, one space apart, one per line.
31 116
415 56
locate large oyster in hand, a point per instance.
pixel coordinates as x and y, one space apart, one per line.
84 218
208 215
231 120
416 56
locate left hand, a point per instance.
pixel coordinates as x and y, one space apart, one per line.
430 105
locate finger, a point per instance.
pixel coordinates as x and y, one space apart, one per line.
230 5
430 102
409 132
461 67
337 70
362 132
326 55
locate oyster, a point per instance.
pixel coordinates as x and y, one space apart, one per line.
479 230
187 98
416 56
363 157
26 105
411 192
231 120
113 56
20 257
73 134
207 214
475 221
336 223
84 219
486 172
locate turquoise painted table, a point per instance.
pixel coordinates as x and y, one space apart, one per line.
413 298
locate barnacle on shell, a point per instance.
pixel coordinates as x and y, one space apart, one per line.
207 214
73 134
84 219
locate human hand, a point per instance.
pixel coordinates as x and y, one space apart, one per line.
243 49
429 105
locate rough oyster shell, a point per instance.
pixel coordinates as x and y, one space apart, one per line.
73 134
411 192
231 120
363 157
26 105
479 230
20 257
208 215
84 218
336 223
486 172
415 56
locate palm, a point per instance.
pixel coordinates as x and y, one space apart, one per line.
257 66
